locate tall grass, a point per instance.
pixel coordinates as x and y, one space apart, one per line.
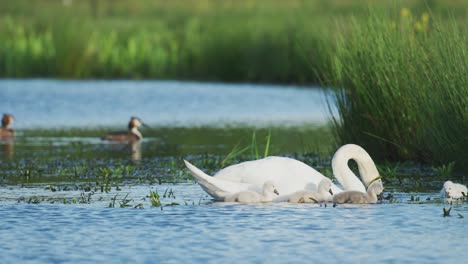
243 40
206 40
405 88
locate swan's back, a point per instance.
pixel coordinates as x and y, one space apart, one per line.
289 174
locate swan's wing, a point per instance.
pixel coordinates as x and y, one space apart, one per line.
289 175
217 188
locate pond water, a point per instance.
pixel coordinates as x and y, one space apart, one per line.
55 103
68 197
200 231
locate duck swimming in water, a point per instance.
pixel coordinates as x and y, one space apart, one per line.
132 135
5 130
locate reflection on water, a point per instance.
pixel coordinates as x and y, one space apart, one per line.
7 147
136 151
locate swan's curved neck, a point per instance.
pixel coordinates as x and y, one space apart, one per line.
367 169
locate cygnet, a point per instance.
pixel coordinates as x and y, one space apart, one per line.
453 190
269 190
322 194
357 197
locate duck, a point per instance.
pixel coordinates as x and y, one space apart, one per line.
357 197
453 190
269 190
132 135
290 175
323 194
5 130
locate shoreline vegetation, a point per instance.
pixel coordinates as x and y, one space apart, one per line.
399 67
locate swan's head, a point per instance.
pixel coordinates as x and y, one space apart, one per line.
325 186
270 188
376 187
450 189
7 120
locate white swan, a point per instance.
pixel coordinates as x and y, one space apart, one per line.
254 197
290 175
358 197
323 194
453 190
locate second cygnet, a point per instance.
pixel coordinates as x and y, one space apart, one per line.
323 194
269 190
357 197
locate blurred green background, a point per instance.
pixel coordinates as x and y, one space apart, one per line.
217 40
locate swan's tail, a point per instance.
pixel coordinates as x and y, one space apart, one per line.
216 188
207 182
196 172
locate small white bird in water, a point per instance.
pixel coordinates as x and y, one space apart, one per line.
132 135
323 194
253 197
453 190
357 197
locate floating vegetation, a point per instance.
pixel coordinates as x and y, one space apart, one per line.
155 199
85 197
446 211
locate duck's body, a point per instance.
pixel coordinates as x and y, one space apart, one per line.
290 175
269 190
357 197
122 136
323 194
5 130
132 135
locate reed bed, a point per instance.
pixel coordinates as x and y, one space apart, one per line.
405 88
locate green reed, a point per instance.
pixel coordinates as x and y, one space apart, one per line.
405 87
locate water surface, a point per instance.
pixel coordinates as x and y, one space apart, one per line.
68 197
200 231
56 103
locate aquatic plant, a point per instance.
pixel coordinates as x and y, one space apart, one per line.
446 212
445 171
253 147
85 198
125 202
155 199
403 93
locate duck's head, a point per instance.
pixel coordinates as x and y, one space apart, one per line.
135 122
7 120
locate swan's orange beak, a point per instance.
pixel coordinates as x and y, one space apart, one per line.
276 191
